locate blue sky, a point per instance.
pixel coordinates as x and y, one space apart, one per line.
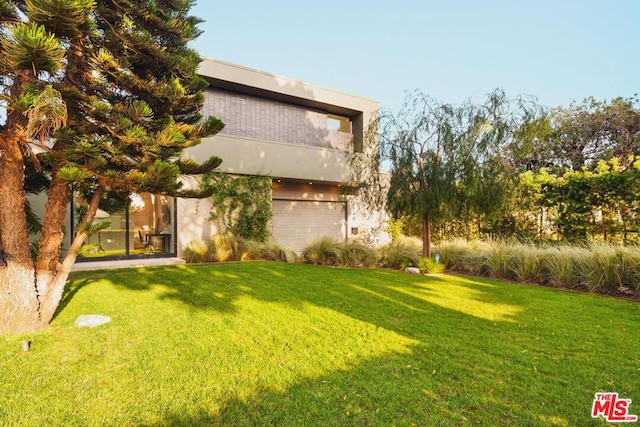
558 51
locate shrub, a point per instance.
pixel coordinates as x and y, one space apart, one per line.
221 247
600 269
400 253
273 251
496 258
356 254
526 263
630 268
196 251
323 250
473 260
560 266
393 228
430 266
452 252
251 249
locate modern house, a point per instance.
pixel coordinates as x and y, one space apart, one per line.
298 134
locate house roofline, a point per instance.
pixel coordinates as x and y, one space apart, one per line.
243 79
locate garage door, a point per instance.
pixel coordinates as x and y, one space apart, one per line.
296 222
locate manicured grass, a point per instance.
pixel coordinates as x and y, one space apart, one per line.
264 343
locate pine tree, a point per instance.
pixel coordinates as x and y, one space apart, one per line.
101 96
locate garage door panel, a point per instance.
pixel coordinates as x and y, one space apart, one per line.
296 222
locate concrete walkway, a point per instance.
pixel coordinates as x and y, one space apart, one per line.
126 263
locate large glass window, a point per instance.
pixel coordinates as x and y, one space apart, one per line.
144 228
151 223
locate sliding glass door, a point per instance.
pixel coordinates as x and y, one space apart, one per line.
151 224
146 227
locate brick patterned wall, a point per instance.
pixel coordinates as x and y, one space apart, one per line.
260 118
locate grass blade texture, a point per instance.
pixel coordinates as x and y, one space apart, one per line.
265 343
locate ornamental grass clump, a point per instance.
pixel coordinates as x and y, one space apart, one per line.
196 251
356 254
430 266
560 266
526 263
323 250
221 247
400 253
249 250
452 253
600 269
473 260
242 249
630 268
496 258
274 251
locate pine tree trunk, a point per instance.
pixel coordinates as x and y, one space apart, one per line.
18 299
49 277
18 293
53 226
30 294
19 302
51 282
28 302
51 287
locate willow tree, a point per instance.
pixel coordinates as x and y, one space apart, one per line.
101 97
439 154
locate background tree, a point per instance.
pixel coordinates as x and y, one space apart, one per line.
597 204
101 96
590 151
621 123
447 158
580 135
530 149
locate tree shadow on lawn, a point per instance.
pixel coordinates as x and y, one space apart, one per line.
476 348
217 286
343 290
72 289
389 299
423 388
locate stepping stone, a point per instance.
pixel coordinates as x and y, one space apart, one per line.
92 320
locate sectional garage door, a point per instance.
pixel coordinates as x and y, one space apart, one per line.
296 222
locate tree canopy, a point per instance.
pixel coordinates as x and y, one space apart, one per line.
446 158
580 135
100 96
508 168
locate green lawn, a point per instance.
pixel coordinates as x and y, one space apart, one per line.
263 343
